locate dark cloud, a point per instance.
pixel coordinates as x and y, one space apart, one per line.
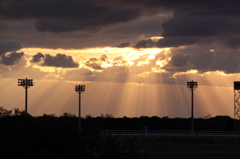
179 63
147 26
60 60
168 42
231 42
23 31
191 18
67 15
176 42
145 44
123 44
188 26
205 25
180 60
193 22
11 59
9 46
186 30
226 61
37 57
193 8
210 58
203 61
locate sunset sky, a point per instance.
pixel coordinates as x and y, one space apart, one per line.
134 56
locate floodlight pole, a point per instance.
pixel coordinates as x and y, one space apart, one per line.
79 89
192 114
79 111
26 97
25 83
192 85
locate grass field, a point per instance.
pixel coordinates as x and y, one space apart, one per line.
190 148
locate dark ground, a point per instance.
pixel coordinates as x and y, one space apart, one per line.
191 148
54 137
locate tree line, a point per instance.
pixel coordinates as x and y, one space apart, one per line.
109 122
52 137
49 136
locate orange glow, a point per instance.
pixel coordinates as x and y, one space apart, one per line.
131 82
217 73
188 72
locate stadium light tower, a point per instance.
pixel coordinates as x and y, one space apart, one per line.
25 83
79 89
192 85
236 105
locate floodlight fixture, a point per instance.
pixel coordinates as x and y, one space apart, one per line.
79 89
25 83
192 85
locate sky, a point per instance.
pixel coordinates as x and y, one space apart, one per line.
134 57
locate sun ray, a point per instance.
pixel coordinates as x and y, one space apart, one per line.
130 82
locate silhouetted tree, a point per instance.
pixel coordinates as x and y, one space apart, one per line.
5 112
53 137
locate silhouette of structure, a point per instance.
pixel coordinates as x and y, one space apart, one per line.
25 83
192 85
236 105
79 89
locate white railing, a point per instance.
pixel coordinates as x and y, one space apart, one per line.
171 134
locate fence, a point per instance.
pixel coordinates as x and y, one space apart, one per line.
171 134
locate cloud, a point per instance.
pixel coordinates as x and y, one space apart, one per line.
123 44
11 58
194 22
176 41
206 58
160 56
147 26
203 61
104 17
97 63
231 42
145 44
188 26
9 46
180 60
67 15
22 70
227 61
193 8
75 24
179 63
94 63
185 30
168 42
60 60
37 57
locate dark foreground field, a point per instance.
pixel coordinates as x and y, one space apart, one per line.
54 137
190 148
